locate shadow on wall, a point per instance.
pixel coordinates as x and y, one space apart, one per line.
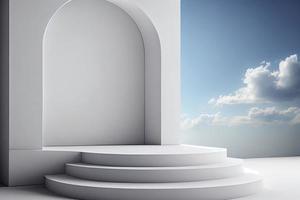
4 105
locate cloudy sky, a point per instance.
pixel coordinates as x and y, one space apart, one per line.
241 65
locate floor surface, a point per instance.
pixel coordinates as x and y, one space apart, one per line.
281 180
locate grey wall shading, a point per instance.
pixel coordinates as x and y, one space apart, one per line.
4 90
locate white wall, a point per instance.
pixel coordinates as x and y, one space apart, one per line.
162 108
93 75
165 16
152 46
28 20
27 23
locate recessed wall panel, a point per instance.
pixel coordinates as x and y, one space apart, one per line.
93 76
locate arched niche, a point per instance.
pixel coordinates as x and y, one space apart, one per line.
101 75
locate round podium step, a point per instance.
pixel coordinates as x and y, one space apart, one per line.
153 172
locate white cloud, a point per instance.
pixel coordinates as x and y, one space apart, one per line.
263 85
207 119
255 116
271 115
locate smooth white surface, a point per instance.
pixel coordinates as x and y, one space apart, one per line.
154 172
28 20
229 168
165 15
30 166
281 181
138 149
147 155
162 123
281 178
244 179
28 193
93 76
152 45
27 23
205 190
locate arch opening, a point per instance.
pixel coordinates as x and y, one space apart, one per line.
101 75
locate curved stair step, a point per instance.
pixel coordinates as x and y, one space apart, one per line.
220 189
230 168
154 155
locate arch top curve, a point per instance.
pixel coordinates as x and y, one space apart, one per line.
143 21
151 74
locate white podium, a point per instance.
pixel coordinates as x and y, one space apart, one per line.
93 87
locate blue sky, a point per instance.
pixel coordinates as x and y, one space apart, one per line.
221 40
